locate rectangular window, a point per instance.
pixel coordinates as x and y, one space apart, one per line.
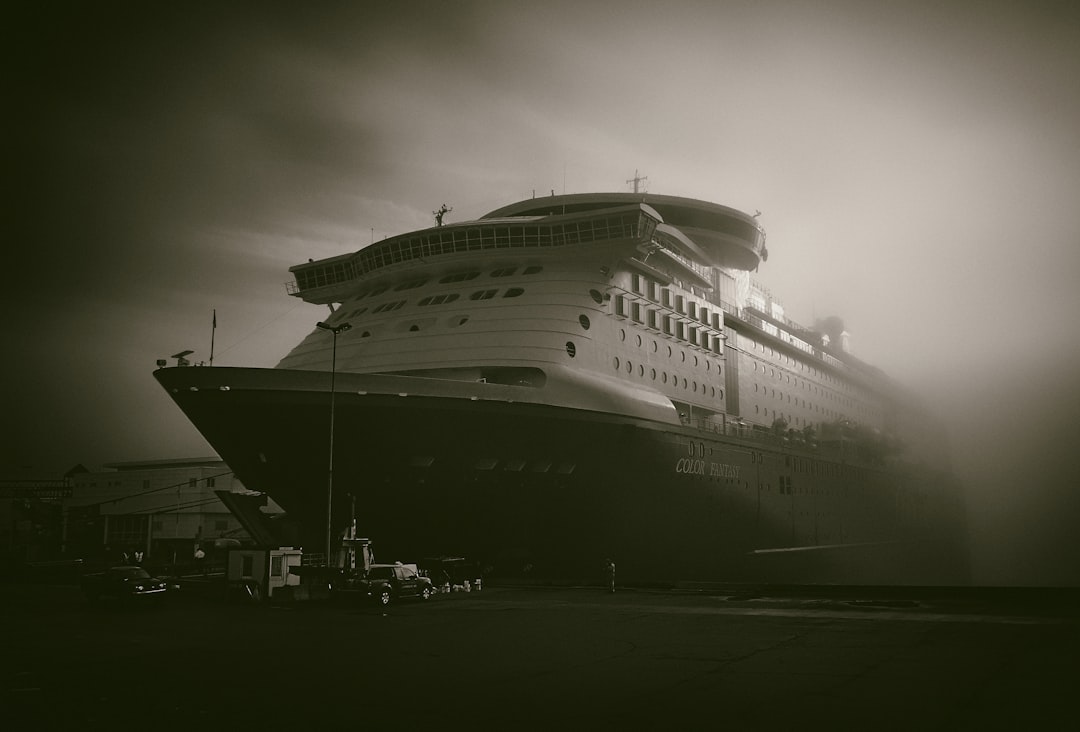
703 316
635 311
680 304
691 309
650 290
193 482
691 334
716 321
667 324
276 564
209 482
635 283
620 306
650 319
665 297
680 330
247 566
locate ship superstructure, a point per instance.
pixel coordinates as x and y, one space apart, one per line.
579 376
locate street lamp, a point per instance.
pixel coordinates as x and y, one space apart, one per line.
334 331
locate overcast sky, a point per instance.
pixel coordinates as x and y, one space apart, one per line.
917 168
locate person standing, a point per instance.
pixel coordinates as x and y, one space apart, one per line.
610 575
200 560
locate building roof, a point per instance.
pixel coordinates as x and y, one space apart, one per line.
191 462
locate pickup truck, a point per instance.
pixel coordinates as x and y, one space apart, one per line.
122 582
386 582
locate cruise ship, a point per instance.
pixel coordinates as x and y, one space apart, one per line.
578 378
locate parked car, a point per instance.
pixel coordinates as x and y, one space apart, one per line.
123 582
386 582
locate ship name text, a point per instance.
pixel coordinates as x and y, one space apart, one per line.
690 466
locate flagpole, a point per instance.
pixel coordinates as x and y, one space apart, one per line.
213 332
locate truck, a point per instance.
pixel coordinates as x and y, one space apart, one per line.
385 583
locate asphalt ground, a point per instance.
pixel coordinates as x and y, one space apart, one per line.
548 658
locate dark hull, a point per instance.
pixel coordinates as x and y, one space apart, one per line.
529 488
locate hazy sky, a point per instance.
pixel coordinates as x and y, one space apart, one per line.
917 166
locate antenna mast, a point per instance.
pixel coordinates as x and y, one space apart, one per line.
637 180
443 210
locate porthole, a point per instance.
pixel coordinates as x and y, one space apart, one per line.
596 296
413 328
654 346
629 367
682 355
695 387
652 372
584 320
366 334
622 334
571 349
641 371
684 383
617 363
639 341
695 360
669 351
664 377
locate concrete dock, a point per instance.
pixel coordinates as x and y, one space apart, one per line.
539 657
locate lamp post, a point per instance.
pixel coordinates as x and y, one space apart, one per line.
334 331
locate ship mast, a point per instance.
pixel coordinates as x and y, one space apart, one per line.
637 180
443 210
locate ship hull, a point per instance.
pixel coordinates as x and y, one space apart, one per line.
527 488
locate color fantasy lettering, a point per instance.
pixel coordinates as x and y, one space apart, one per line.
689 466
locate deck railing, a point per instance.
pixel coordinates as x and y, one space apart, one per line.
636 225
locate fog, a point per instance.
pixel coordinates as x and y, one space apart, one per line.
916 168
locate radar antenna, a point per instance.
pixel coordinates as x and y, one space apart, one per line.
637 180
443 210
